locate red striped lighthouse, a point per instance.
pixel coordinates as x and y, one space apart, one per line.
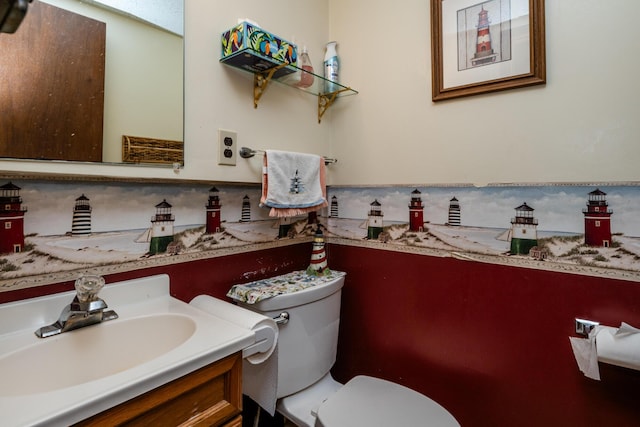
484 52
597 220
11 219
318 263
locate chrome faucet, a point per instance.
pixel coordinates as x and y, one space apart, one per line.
85 309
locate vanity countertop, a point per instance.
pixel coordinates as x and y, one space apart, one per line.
29 399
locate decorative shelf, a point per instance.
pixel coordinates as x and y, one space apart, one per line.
287 74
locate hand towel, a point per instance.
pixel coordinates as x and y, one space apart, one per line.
293 183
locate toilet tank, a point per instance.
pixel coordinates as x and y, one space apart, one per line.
308 342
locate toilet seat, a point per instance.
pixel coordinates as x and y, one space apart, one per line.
369 402
302 407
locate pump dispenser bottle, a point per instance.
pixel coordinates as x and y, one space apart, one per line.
306 78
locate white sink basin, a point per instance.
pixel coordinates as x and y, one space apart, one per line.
60 380
92 353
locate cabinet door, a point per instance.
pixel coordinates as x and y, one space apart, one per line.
52 86
210 396
236 422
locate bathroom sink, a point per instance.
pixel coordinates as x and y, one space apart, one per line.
92 353
63 379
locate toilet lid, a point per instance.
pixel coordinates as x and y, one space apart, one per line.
371 402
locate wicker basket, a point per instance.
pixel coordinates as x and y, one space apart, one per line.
147 150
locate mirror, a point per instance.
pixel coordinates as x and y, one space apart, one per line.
143 71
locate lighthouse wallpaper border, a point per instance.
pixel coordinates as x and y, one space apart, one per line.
504 38
53 231
590 229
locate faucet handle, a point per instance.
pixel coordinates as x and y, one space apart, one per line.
87 287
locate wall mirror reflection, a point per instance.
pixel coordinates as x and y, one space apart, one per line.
94 80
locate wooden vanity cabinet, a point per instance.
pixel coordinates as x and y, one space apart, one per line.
210 396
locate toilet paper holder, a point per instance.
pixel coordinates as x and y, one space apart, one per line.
265 338
584 326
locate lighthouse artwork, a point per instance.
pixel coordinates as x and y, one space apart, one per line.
161 228
597 220
524 230
484 34
318 265
416 212
374 223
585 228
213 212
11 219
484 53
81 222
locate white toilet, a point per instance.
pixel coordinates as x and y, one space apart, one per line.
309 396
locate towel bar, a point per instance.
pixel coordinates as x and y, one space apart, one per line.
247 153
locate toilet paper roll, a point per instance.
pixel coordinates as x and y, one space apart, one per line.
619 347
615 346
584 351
260 366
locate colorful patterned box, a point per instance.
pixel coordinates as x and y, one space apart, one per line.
254 49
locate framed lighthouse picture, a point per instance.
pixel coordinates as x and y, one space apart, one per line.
486 46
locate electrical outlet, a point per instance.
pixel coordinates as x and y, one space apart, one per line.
227 144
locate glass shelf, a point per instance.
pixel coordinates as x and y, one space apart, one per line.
290 75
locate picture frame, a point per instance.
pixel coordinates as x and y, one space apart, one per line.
486 46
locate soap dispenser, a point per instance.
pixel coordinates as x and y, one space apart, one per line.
306 75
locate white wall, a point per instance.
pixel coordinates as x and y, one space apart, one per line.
220 97
166 14
584 125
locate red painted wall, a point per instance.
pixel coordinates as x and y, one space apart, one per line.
490 343
212 276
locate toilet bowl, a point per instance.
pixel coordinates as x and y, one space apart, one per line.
307 344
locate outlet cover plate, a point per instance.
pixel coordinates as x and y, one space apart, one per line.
227 147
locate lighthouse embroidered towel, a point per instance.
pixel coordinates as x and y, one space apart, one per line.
293 183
